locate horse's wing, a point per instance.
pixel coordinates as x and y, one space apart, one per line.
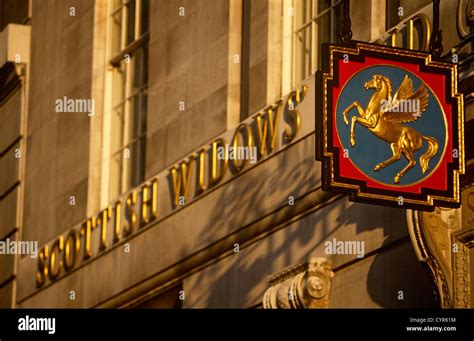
410 110
405 90
422 96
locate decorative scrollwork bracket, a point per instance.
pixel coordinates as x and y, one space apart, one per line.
441 244
305 285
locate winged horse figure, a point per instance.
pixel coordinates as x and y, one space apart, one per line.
384 119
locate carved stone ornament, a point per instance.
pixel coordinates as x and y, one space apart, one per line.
304 285
441 243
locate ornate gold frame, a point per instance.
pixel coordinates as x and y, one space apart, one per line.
331 180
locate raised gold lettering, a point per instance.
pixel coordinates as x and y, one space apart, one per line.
118 222
218 167
266 126
199 158
42 267
130 214
71 249
247 142
180 179
85 231
103 219
291 114
149 202
55 263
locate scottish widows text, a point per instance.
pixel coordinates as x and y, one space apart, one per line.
225 157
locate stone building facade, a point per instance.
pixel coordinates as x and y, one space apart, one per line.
112 117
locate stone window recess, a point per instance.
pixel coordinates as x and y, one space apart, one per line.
315 22
306 285
129 62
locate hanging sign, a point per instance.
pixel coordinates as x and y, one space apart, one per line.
389 126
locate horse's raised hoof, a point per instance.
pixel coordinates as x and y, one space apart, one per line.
346 121
378 167
396 179
353 141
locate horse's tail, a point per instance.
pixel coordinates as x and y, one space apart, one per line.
432 150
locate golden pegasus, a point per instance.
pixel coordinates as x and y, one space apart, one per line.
384 115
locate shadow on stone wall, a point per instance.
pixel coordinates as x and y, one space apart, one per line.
240 280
